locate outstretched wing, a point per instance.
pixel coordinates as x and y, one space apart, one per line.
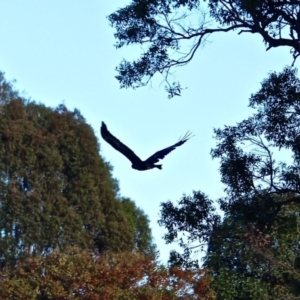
162 153
118 145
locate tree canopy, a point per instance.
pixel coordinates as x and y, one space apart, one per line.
139 227
256 243
164 29
56 190
76 274
249 263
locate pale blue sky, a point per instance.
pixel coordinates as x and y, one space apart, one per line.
62 51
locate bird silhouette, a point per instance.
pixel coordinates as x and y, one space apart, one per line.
137 163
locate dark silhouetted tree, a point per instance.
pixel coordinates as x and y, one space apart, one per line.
256 243
171 32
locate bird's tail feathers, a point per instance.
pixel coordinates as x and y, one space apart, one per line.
158 166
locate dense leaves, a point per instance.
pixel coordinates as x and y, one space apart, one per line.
247 263
164 30
55 189
139 227
79 275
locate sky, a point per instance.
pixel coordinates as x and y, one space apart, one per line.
63 52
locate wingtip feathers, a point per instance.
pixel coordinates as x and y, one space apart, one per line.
186 137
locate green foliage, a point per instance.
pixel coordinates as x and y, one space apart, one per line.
163 28
55 189
247 263
139 226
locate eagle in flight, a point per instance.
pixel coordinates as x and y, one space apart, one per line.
137 163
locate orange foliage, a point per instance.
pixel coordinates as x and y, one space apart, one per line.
79 275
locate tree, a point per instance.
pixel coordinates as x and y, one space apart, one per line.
139 226
163 28
257 240
55 188
76 274
247 263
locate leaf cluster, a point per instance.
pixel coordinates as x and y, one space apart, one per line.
247 263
